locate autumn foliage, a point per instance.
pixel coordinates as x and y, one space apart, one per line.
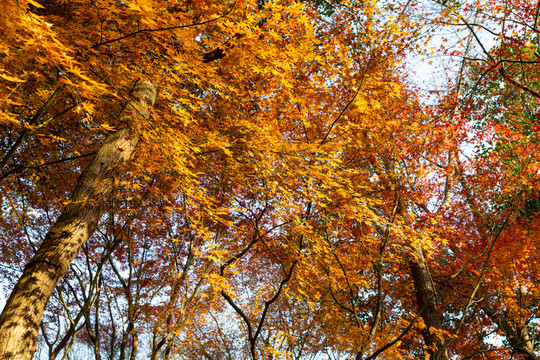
268 180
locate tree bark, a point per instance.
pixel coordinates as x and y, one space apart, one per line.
516 333
21 317
427 304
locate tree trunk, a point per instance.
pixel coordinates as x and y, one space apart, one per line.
21 317
516 333
426 301
134 346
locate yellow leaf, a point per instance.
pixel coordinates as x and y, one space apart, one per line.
34 3
107 127
10 78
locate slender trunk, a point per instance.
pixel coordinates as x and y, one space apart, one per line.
21 317
112 340
134 346
426 301
123 345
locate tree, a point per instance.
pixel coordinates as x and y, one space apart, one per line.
22 313
290 179
218 136
491 180
85 71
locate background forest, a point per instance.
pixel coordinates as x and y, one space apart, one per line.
269 179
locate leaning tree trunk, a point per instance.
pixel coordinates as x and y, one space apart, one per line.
426 301
20 320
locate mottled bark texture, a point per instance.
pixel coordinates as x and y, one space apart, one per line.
21 317
427 304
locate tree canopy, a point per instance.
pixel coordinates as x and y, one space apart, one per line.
251 179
